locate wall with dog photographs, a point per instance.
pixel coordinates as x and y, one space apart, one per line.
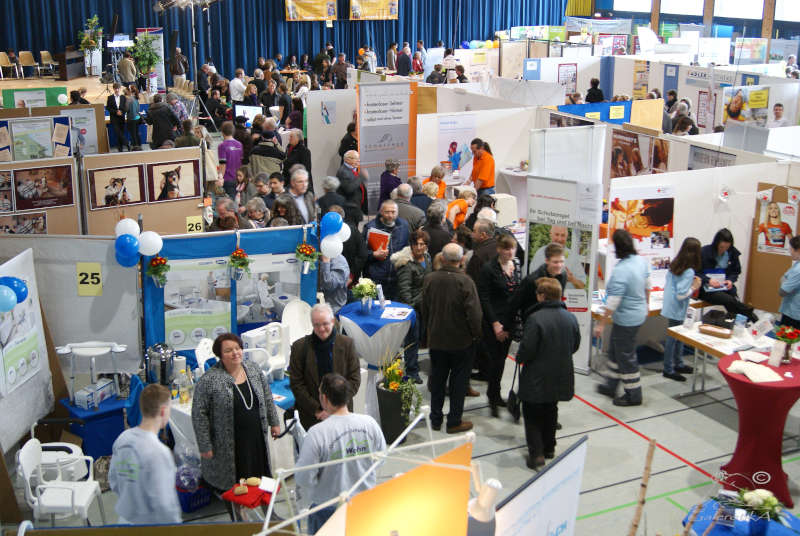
163 186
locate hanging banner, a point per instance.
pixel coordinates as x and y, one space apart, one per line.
158 44
383 131
641 79
568 76
746 104
303 10
373 9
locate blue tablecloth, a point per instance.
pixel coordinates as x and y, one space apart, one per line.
373 322
281 387
101 428
740 527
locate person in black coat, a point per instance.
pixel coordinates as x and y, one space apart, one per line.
594 94
297 153
164 122
352 188
349 141
116 105
404 62
550 337
498 279
436 229
330 185
354 249
721 256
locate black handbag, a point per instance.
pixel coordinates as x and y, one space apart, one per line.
513 402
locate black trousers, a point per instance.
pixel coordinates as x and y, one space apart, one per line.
119 130
133 132
495 353
789 321
540 427
728 299
456 364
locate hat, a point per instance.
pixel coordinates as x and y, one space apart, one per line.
451 75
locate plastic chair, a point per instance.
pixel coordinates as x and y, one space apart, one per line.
26 60
59 456
56 497
48 61
5 63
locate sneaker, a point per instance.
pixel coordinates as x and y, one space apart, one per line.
465 426
674 376
604 389
626 401
536 463
684 369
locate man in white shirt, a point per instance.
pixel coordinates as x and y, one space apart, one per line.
576 277
422 52
778 120
237 86
340 435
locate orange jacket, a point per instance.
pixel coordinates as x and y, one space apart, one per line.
483 171
442 187
463 208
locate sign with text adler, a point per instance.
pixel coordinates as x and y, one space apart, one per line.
383 131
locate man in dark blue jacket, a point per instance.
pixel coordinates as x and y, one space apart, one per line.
404 62
378 266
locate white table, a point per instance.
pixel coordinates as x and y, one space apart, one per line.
514 182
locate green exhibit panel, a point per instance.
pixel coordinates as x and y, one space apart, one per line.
34 97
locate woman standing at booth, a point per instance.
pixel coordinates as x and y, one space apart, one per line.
232 413
790 288
720 257
627 297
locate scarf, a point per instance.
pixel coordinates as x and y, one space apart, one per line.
323 350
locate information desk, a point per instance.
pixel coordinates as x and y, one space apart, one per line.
763 407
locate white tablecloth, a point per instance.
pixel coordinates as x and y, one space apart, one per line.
509 181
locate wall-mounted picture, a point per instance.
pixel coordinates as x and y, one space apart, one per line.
32 139
6 193
28 223
748 104
173 180
647 220
45 187
114 187
631 154
776 225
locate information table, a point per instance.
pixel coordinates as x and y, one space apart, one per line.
514 182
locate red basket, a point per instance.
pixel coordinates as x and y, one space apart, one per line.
193 500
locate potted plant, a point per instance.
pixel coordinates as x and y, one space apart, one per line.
790 336
761 505
365 290
398 398
238 264
308 255
145 54
157 269
90 41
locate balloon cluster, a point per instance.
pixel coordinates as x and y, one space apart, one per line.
131 243
13 290
334 233
481 44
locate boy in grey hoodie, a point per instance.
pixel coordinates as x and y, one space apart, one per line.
142 470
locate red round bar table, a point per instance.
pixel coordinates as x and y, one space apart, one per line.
763 408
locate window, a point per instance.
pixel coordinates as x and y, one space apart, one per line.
787 10
638 6
736 9
682 7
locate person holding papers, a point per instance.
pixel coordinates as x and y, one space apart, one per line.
385 235
721 269
790 288
680 284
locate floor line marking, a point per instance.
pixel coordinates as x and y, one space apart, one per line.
680 506
647 499
672 412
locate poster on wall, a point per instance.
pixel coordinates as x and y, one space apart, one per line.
776 225
373 9
641 79
706 108
196 301
750 50
113 187
6 192
83 130
34 98
173 180
44 187
700 158
455 134
747 104
568 76
300 10
32 139
631 154
274 281
26 223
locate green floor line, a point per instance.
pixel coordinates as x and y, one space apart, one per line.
648 499
680 506
788 460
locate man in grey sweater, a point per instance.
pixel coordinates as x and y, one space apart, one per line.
142 471
340 435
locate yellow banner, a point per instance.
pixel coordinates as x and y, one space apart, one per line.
373 9
302 10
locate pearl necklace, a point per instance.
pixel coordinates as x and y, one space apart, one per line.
246 406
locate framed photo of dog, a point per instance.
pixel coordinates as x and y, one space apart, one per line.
173 180
116 187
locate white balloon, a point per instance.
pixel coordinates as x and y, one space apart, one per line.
150 243
127 226
62 99
344 233
331 246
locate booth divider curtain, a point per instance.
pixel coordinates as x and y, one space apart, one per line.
243 30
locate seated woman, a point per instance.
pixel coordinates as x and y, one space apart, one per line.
457 210
721 257
790 288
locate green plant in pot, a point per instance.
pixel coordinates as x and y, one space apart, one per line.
90 39
144 53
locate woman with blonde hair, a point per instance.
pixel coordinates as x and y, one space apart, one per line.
457 209
437 177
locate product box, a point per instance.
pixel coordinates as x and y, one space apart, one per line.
90 396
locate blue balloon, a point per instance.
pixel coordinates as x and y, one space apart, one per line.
330 224
127 245
464 44
16 284
7 299
127 261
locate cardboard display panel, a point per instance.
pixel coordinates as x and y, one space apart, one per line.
767 262
99 114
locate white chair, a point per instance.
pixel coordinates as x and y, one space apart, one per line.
61 458
56 497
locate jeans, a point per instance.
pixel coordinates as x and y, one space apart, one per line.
622 361
486 191
456 364
317 519
496 353
411 353
540 427
673 350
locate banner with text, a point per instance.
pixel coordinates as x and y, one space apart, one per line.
373 9
383 131
304 10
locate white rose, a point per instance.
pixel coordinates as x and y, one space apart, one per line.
752 499
763 494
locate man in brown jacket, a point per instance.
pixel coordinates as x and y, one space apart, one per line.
315 355
452 311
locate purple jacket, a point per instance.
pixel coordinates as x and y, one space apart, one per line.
388 183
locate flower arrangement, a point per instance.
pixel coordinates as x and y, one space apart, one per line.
394 380
305 252
239 260
787 334
157 268
91 37
365 288
759 503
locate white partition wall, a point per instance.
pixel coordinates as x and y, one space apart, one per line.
452 98
327 116
587 68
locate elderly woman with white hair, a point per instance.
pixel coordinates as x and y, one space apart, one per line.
331 197
297 153
389 180
257 213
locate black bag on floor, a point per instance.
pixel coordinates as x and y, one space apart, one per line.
513 402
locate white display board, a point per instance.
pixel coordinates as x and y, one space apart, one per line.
327 116
552 153
512 56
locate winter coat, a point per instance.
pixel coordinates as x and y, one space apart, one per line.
382 271
550 337
163 119
410 275
413 215
299 154
354 191
266 157
451 310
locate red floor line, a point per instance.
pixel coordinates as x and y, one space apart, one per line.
659 445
